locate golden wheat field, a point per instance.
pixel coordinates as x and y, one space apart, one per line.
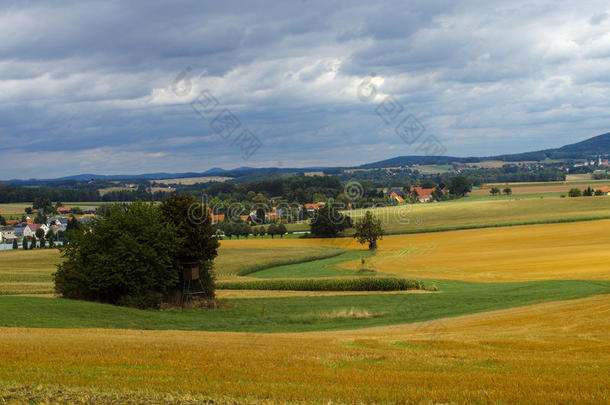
576 250
520 253
556 352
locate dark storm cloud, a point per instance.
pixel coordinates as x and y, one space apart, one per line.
87 86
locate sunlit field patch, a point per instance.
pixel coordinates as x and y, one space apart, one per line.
567 251
549 353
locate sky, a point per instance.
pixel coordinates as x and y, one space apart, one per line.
117 87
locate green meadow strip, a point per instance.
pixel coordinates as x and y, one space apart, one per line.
285 262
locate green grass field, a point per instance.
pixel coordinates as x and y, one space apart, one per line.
319 268
298 313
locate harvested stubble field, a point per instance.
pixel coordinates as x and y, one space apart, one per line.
548 353
567 251
561 251
465 213
544 188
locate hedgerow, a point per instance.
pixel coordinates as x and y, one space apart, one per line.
334 284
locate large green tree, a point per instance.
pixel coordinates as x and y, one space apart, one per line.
368 229
127 259
459 186
328 222
194 225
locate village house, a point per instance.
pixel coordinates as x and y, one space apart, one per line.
57 220
30 230
422 194
314 207
64 210
7 235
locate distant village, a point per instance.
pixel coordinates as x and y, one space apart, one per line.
29 230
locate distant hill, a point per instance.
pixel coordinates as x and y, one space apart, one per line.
598 144
593 146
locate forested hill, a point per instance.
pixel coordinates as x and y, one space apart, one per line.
597 145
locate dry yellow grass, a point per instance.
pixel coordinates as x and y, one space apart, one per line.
27 271
548 353
521 253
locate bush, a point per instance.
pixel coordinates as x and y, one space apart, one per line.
128 258
574 192
336 284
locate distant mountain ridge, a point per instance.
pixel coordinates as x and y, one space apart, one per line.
599 144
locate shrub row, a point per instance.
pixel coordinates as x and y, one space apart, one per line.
333 284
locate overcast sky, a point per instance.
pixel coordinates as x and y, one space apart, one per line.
106 87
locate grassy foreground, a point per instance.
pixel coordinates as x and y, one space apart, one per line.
548 353
297 314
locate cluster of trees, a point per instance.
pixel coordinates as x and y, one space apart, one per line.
300 189
512 174
272 230
588 192
14 194
496 191
136 255
236 227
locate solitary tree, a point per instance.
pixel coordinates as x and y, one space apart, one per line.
281 230
494 191
272 229
244 230
507 191
25 243
227 228
369 230
574 192
459 186
15 244
51 238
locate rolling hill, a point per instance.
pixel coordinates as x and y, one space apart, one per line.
597 145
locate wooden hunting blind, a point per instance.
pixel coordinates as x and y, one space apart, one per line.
191 283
